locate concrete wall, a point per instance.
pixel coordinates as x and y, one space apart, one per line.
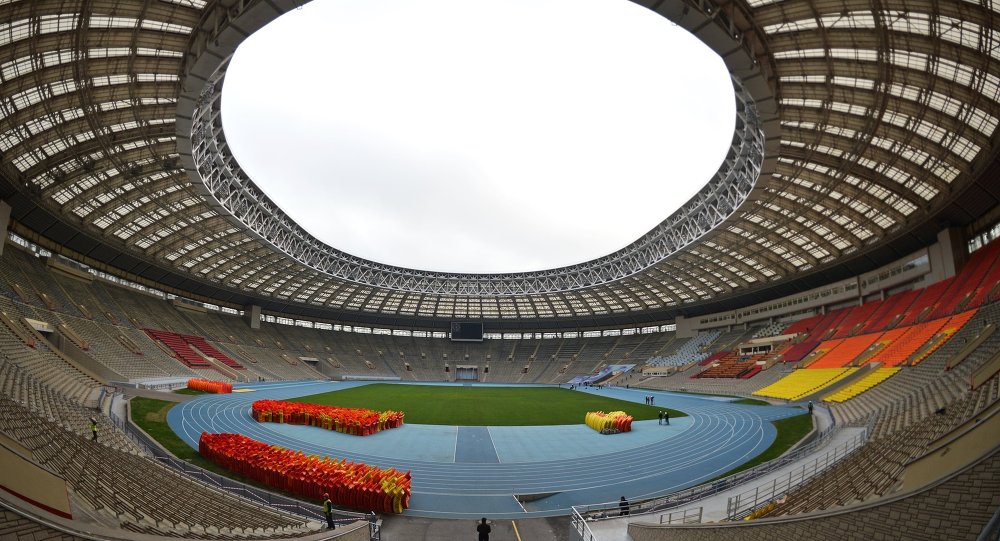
32 483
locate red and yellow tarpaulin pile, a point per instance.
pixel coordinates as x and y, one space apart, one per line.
356 421
616 421
209 386
349 484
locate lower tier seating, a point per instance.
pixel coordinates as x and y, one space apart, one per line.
140 494
874 378
804 382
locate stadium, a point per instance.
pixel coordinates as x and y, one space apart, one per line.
818 321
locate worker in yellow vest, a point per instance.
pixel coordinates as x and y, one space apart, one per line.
93 428
328 511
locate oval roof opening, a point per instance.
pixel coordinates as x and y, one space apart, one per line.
473 136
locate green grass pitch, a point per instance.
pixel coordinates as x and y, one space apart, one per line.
482 406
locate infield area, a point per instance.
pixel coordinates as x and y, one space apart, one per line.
484 406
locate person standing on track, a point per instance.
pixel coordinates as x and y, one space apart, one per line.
484 530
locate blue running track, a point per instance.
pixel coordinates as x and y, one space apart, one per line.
469 472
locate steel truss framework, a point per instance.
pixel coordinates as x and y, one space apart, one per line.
232 188
861 119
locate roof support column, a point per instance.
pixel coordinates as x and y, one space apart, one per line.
685 327
948 255
251 313
4 223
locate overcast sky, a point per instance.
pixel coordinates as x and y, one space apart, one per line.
474 136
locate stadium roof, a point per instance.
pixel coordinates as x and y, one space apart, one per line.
872 127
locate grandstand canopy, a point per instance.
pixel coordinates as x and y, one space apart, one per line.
861 132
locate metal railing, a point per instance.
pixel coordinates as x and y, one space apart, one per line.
253 494
579 530
746 502
687 516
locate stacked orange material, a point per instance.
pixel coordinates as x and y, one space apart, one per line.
209 386
355 421
349 484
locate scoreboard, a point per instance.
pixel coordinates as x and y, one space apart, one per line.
466 331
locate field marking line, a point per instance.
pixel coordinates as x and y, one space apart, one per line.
514 524
493 445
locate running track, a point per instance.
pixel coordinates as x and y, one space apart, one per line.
461 472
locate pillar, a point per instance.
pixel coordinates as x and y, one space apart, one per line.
4 224
252 314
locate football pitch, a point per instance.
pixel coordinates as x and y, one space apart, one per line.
483 406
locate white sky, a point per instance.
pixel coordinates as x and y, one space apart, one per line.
473 136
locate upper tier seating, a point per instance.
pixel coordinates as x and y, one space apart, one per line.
732 365
855 321
690 352
891 311
900 350
924 303
211 351
180 347
799 351
843 352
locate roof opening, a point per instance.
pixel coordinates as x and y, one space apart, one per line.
473 136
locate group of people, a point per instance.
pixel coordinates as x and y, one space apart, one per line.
664 416
650 400
585 385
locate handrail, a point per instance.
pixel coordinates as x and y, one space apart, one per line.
687 516
579 529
